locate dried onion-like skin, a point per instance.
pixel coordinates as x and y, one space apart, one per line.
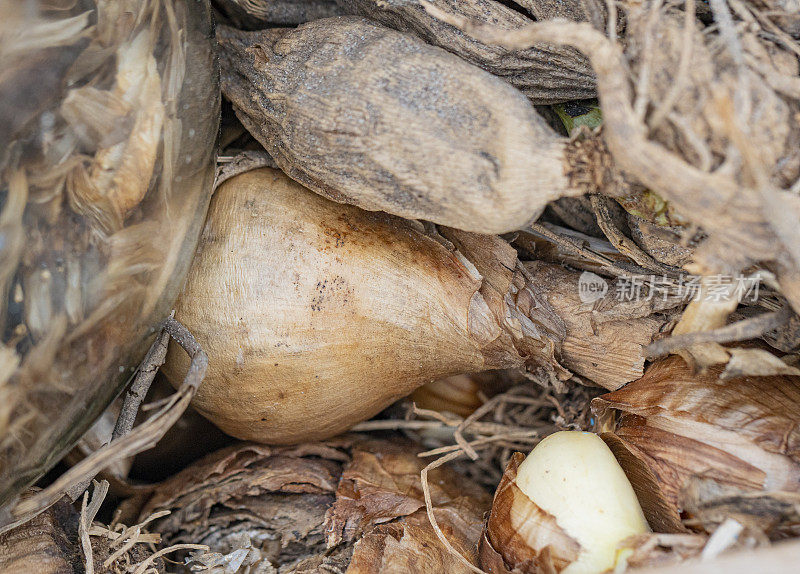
109 111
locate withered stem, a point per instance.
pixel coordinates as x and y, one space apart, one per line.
739 331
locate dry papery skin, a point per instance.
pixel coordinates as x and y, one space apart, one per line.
544 73
47 544
311 310
351 504
367 115
715 135
672 425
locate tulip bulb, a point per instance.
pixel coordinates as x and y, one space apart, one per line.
316 315
567 506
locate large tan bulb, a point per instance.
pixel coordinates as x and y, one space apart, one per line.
316 315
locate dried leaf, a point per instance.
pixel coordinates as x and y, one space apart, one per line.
263 507
674 425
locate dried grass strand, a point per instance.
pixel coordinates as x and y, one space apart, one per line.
426 493
89 511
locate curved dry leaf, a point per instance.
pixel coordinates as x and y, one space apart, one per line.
740 432
352 503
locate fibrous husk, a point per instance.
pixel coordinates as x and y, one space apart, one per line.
353 504
47 544
672 425
402 127
544 73
610 326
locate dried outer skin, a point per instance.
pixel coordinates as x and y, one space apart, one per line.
741 432
519 537
366 115
256 14
47 544
546 74
311 310
352 503
604 339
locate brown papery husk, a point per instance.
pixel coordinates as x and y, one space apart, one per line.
311 310
612 329
367 115
673 424
545 73
352 504
520 537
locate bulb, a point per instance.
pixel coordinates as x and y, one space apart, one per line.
569 503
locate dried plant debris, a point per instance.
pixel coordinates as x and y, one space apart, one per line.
103 178
257 14
352 504
513 420
672 425
545 73
710 135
